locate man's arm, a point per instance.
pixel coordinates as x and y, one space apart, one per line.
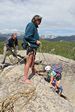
29 33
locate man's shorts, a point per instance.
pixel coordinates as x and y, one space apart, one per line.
31 51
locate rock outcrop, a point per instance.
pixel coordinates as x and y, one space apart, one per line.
16 96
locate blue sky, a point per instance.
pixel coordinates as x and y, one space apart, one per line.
58 15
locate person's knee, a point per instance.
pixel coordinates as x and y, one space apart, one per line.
30 60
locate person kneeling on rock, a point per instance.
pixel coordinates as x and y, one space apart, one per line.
9 45
54 75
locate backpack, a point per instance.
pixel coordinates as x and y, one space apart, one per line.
57 68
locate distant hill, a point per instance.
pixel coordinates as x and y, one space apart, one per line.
5 36
58 38
63 38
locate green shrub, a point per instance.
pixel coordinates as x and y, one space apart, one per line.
66 49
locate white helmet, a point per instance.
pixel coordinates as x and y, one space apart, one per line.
47 68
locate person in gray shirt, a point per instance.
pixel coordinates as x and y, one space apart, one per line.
9 45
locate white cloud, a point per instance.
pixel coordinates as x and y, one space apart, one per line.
57 14
6 31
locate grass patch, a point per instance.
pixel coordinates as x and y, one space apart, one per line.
66 49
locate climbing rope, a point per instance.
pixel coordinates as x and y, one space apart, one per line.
8 103
43 54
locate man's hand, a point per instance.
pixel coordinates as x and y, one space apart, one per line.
38 42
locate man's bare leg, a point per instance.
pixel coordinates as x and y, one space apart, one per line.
33 66
26 68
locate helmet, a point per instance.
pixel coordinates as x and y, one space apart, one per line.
47 68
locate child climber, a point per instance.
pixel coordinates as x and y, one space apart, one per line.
54 76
